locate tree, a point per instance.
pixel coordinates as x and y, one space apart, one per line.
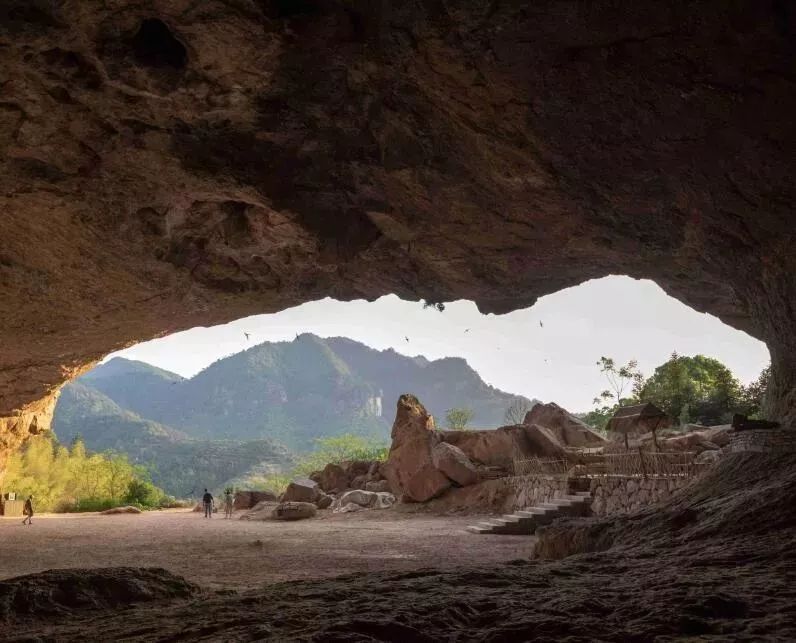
458 418
515 413
621 380
70 479
694 389
753 397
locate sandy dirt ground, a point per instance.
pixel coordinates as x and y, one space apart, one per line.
715 562
239 554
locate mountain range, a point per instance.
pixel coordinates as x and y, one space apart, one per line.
274 393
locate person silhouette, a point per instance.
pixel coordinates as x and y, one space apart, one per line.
28 510
229 504
207 502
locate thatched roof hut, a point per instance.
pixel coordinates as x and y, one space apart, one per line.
638 419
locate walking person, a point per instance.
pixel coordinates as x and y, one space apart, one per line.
28 511
229 503
207 501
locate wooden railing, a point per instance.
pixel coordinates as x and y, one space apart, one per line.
629 464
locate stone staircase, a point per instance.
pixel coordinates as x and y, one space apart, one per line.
526 521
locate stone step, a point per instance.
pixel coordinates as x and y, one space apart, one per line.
486 525
531 513
526 521
473 529
556 505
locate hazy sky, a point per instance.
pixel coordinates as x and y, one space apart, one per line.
615 316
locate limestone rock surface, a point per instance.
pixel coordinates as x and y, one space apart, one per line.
409 468
169 164
452 461
569 430
302 490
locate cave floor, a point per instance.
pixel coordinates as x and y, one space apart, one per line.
715 562
242 554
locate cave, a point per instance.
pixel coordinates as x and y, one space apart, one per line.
155 46
457 150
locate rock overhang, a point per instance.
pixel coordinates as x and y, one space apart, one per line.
178 164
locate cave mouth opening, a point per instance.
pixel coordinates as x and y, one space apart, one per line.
328 367
154 45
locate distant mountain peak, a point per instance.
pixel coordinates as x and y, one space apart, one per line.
120 366
298 390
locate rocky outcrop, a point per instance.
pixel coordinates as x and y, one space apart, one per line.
332 479
409 468
250 499
501 447
452 461
166 165
302 490
352 474
568 430
364 500
58 593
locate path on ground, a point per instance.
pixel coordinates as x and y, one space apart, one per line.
219 553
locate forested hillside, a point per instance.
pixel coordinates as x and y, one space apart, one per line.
180 465
292 392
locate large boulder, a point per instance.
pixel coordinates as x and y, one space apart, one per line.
452 461
378 485
294 511
261 511
302 490
364 499
568 430
409 467
352 474
248 499
333 478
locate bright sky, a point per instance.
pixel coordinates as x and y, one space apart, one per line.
618 317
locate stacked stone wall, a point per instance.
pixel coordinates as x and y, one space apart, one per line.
618 495
534 490
763 441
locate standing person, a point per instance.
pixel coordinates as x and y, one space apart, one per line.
28 511
229 503
207 501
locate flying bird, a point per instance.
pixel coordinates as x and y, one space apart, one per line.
466 330
541 324
247 336
406 338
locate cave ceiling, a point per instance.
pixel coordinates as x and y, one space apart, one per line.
173 163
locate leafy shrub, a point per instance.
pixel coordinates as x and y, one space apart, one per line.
458 418
143 493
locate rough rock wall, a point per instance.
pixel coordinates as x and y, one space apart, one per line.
170 163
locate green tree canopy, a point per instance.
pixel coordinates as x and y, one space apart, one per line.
694 389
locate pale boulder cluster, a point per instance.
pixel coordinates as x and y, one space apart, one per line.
342 488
